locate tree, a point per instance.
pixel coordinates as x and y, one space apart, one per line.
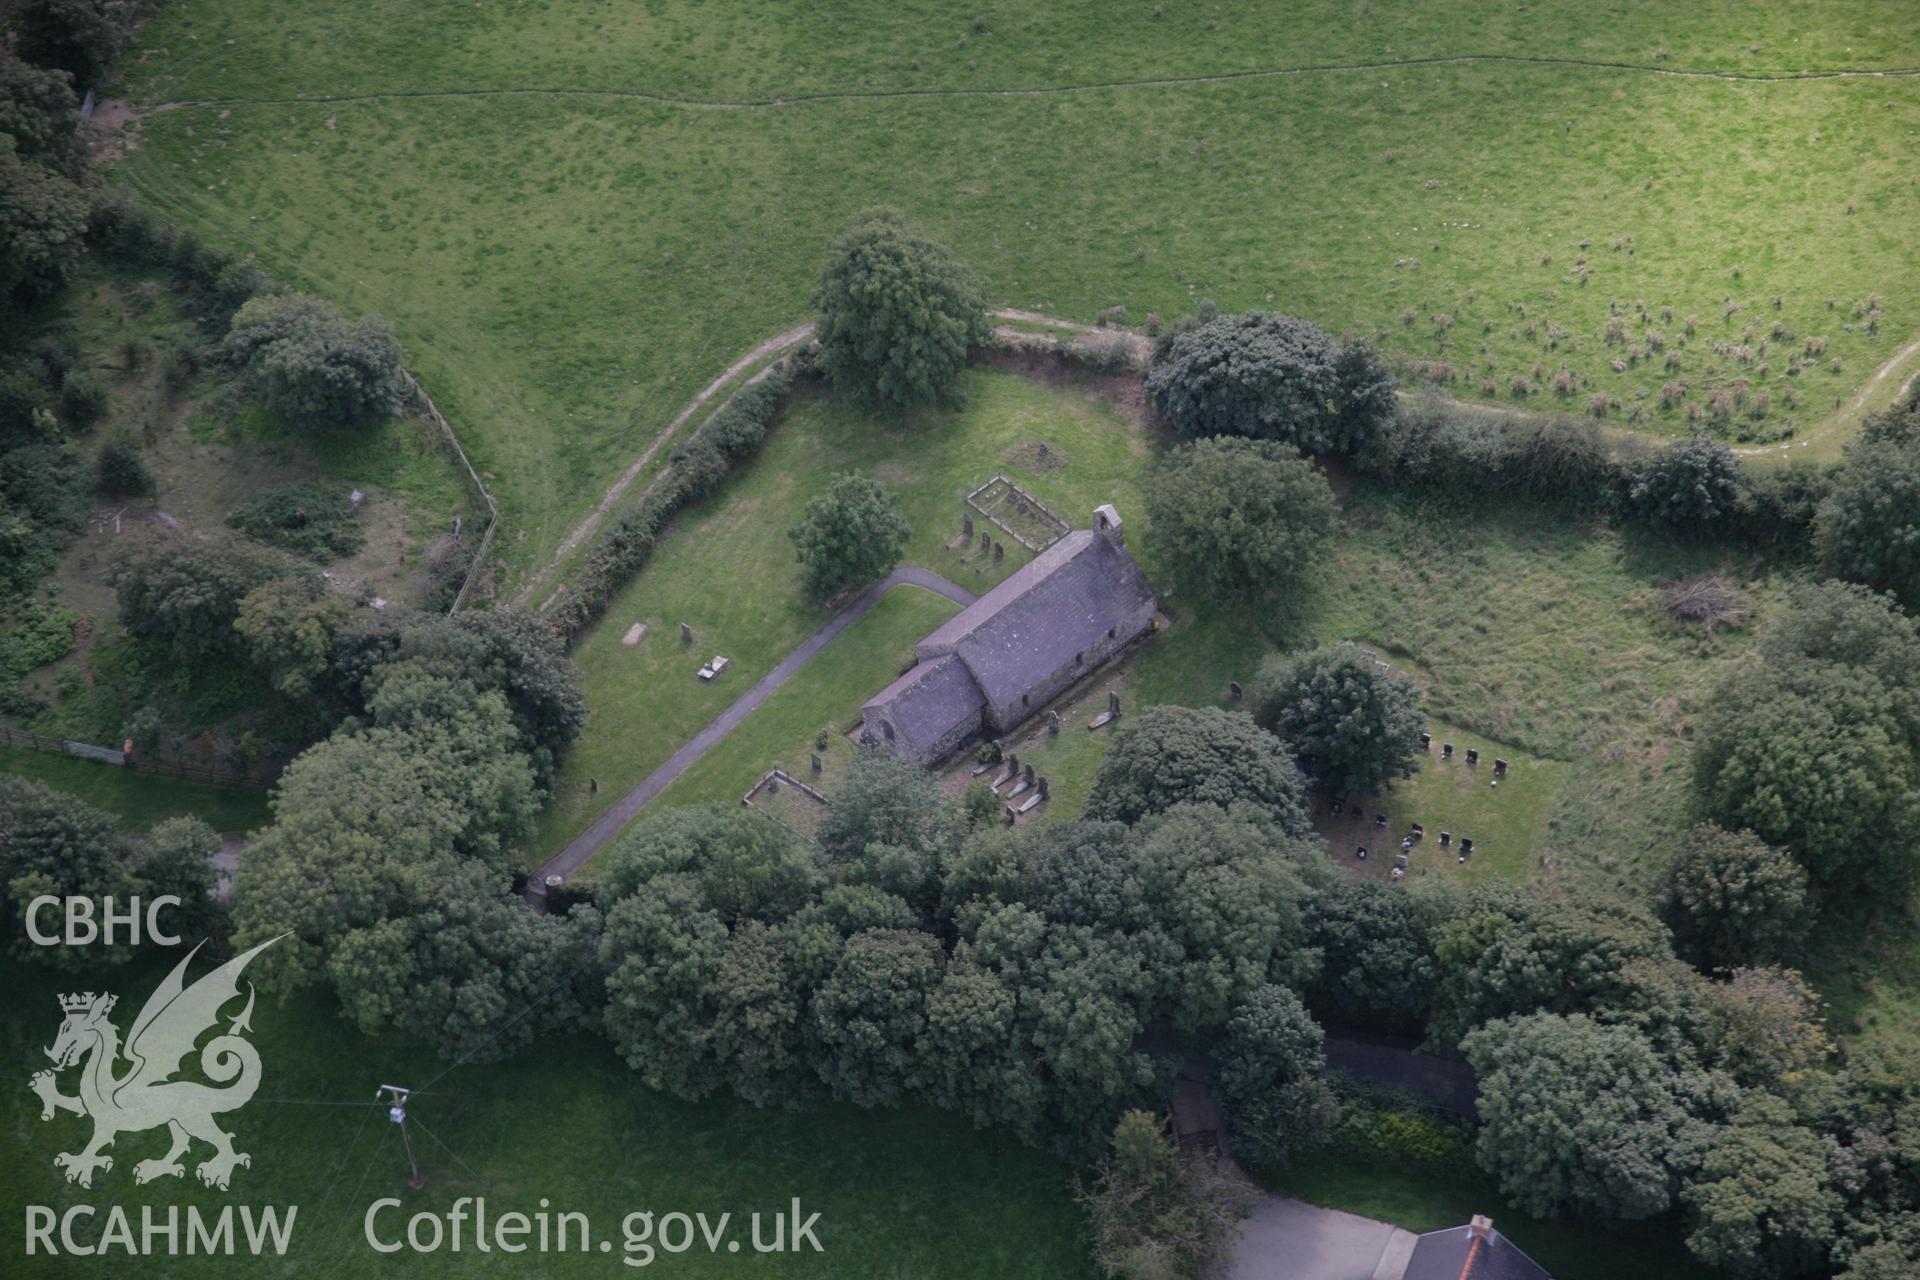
43 226
868 1017
1350 722
1273 377
368 822
288 625
1171 755
1577 1119
749 865
507 650
1367 402
176 858
52 843
1767 1026
897 314
306 361
186 593
1156 1215
664 948
39 111
1867 529
1514 954
1851 626
1762 1202
471 971
1267 1075
1690 484
889 801
119 471
1814 758
1732 899
1378 944
1239 517
84 38
849 536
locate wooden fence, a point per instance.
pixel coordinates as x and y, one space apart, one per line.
210 774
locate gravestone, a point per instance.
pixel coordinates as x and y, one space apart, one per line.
1446 838
1026 775
1419 832
1111 714
1426 742
1473 755
1446 751
1113 703
1499 767
999 551
1379 819
1466 845
1335 808
818 764
966 525
1234 692
686 634
1042 785
1053 722
773 785
986 542
593 786
1361 853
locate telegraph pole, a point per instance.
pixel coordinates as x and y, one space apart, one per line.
395 1096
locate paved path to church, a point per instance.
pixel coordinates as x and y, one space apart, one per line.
608 824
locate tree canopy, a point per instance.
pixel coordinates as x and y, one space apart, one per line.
897 314
1733 899
1577 1119
1351 723
1239 518
1868 527
1690 484
849 536
307 361
1272 377
1170 755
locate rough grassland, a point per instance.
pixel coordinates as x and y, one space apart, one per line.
568 1124
568 267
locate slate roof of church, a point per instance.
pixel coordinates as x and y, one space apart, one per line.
1057 605
1450 1255
930 700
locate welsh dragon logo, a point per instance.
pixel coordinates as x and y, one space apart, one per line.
145 1097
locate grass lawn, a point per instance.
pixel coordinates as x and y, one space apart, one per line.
569 252
1430 1200
139 799
912 1192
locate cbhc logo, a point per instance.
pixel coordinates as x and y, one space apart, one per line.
82 930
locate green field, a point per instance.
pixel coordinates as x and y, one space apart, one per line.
910 1192
570 244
